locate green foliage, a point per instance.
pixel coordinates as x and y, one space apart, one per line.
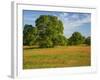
60 40
50 31
76 39
45 42
88 40
29 35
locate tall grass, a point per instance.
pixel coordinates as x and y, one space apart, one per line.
56 57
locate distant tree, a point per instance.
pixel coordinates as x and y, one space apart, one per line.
29 35
88 40
76 39
50 31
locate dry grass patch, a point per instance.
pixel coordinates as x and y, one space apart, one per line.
57 57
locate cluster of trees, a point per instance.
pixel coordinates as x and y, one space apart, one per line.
77 39
48 32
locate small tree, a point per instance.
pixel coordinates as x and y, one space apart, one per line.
76 39
29 35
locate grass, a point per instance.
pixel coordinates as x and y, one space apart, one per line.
70 56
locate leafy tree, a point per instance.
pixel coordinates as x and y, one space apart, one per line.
50 31
29 35
60 40
76 39
45 44
88 40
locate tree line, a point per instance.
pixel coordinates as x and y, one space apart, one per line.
48 32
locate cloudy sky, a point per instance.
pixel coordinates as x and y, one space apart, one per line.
72 21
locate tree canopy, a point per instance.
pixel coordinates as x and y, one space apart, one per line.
29 35
76 39
88 40
50 31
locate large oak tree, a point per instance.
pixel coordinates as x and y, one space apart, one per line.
50 31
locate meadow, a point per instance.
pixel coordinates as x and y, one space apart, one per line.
66 56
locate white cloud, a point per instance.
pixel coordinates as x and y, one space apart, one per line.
74 21
77 22
65 14
75 16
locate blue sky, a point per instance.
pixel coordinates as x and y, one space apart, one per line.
72 21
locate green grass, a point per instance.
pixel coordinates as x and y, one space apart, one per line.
56 57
